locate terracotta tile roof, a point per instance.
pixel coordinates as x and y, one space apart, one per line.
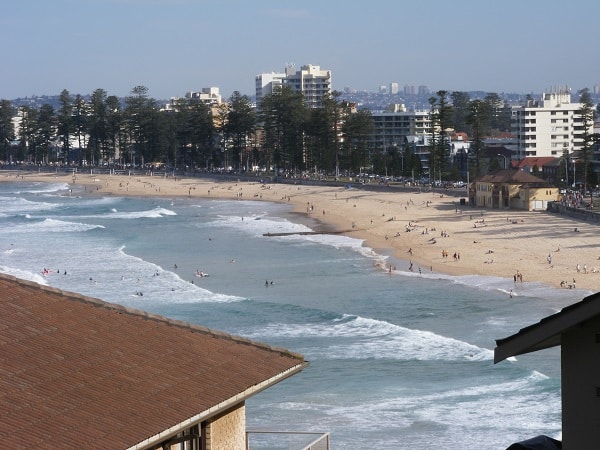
76 372
510 176
531 161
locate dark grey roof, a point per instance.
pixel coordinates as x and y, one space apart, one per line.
548 331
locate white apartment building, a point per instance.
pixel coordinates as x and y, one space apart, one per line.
267 83
549 127
210 96
313 82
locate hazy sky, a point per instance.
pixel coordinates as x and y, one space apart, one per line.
175 46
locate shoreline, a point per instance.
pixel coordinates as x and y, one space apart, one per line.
431 230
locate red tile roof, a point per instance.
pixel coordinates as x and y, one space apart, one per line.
76 372
532 161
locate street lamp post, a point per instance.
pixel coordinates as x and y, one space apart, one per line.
467 154
402 156
505 163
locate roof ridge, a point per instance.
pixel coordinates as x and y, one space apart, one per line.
150 316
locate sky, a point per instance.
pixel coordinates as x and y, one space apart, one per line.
176 46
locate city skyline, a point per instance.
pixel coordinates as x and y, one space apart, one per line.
176 46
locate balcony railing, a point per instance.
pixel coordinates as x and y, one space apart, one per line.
286 440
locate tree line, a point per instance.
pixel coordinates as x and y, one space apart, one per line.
282 133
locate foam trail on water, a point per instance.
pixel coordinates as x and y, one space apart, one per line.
370 338
24 274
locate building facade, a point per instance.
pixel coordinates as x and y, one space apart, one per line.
267 83
552 126
211 96
512 189
401 129
313 82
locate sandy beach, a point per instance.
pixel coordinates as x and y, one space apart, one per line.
430 231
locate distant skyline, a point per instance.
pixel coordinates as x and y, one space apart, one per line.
176 46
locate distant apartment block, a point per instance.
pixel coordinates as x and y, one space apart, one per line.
394 88
401 129
313 82
551 126
211 96
266 84
409 89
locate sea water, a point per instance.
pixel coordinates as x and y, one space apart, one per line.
397 361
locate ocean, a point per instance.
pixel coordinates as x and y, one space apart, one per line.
398 361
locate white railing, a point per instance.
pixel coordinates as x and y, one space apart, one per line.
286 440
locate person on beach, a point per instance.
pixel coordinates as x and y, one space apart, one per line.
462 231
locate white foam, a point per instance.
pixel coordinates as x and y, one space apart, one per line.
433 408
157 212
371 338
503 285
129 274
42 188
52 226
14 206
261 225
24 274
